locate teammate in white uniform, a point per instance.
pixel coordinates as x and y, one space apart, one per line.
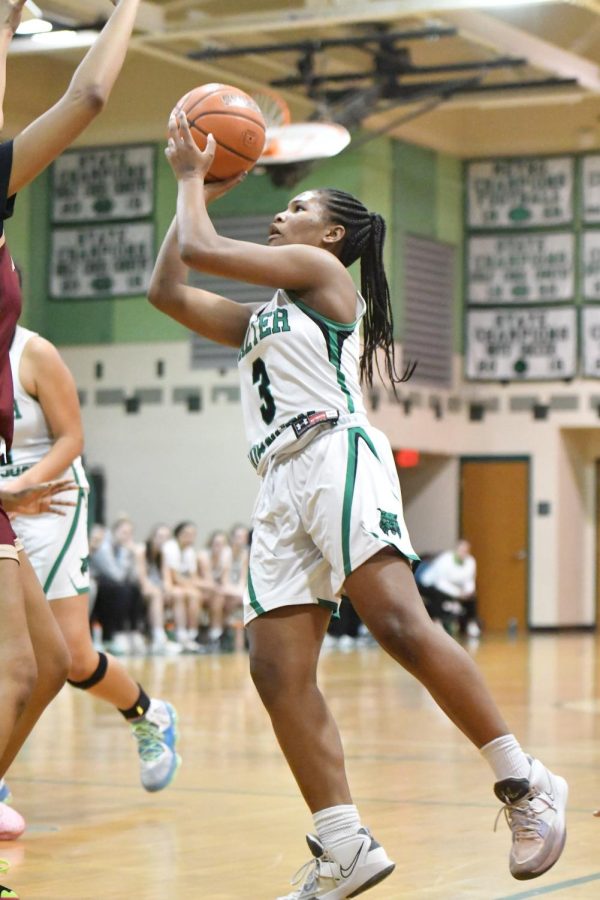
47 443
329 513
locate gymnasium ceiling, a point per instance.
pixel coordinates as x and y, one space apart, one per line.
499 78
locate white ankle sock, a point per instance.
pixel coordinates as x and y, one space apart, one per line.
336 825
505 756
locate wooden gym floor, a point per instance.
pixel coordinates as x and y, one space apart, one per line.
231 826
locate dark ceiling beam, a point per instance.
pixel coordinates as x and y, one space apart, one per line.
403 70
409 93
530 84
376 37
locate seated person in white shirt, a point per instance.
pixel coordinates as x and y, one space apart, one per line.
450 583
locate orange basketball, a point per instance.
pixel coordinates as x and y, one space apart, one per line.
235 121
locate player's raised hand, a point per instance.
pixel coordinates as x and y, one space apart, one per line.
185 157
38 499
10 13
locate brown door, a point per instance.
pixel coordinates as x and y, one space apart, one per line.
494 517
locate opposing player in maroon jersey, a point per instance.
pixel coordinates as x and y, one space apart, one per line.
33 657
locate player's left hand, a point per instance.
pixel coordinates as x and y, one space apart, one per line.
215 189
185 157
38 499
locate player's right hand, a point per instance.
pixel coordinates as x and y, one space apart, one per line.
184 156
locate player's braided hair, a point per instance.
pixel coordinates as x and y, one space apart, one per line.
364 240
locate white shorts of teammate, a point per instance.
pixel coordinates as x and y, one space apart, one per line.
319 515
58 549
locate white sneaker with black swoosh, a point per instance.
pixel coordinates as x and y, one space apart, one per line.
535 811
356 866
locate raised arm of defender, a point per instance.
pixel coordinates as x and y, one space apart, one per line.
41 142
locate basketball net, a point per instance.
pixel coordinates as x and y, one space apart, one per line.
294 142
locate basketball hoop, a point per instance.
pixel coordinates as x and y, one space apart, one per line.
275 110
303 141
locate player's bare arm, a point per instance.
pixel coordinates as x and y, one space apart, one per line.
45 139
45 377
10 18
210 315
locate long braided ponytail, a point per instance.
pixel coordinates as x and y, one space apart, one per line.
364 240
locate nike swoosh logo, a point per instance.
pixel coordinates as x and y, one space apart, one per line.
347 872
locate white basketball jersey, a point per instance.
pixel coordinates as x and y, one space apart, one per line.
298 371
32 436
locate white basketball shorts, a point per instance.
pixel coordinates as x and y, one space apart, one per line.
57 547
320 514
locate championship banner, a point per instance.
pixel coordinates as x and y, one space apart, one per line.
590 188
520 193
590 339
101 261
103 184
590 265
521 344
521 268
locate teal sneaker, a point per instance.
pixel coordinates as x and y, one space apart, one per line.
156 736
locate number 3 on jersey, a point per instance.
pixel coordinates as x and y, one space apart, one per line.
260 377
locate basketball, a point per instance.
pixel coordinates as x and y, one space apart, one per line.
235 121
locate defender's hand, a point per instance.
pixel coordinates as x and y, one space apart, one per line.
33 501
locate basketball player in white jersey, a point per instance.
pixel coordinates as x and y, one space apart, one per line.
47 443
329 514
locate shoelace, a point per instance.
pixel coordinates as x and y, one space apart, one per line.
522 819
307 874
148 738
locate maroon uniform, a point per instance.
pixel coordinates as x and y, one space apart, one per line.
10 310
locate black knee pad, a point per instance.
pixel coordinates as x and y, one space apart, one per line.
95 677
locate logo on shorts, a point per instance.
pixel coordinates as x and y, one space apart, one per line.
388 522
85 564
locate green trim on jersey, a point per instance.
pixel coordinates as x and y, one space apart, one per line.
251 593
331 323
354 435
69 537
335 333
335 355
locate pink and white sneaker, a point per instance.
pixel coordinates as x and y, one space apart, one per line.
12 823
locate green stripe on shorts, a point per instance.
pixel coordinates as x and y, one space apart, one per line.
69 538
354 434
331 605
253 601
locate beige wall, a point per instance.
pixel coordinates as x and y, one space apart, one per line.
561 450
165 463
430 496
